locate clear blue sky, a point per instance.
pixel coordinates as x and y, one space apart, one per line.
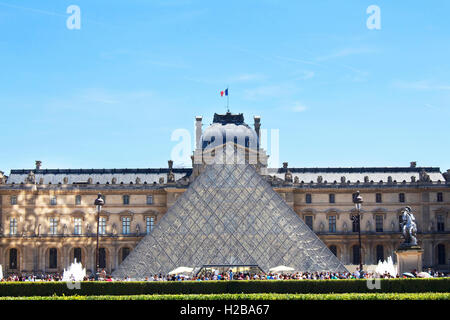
110 94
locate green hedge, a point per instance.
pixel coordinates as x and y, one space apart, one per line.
255 296
15 289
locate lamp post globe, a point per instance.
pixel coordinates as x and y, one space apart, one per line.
99 202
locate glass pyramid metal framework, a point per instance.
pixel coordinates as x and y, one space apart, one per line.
229 216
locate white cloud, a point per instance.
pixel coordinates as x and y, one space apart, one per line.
100 99
269 91
298 107
345 52
305 75
420 85
247 77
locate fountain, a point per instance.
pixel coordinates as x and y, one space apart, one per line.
386 266
1 272
76 272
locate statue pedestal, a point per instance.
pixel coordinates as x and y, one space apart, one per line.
408 259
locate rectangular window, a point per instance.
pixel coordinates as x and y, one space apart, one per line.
378 198
309 221
331 198
401 197
332 223
13 226
126 221
53 226
126 199
150 223
440 223
308 198
149 199
440 197
77 200
53 201
77 226
102 226
379 223
13 200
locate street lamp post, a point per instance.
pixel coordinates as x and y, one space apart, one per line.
358 200
99 202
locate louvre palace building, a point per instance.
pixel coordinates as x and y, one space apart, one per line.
48 217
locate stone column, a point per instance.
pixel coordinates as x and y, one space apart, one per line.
198 157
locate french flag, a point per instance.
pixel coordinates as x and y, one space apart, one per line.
224 92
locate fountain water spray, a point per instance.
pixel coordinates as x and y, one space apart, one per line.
386 266
76 272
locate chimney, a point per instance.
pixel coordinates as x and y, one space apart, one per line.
412 164
38 164
198 132
257 125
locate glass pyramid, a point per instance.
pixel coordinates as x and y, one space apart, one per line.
229 215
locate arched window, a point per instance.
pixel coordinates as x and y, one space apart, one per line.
53 258
102 258
125 253
355 251
77 254
441 253
380 253
13 258
333 249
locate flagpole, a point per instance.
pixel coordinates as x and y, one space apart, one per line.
228 101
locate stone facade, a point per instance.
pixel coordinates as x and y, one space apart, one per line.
48 216
33 205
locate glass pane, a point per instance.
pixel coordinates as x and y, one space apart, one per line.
229 216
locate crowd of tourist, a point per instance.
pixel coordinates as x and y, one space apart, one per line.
230 275
286 276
